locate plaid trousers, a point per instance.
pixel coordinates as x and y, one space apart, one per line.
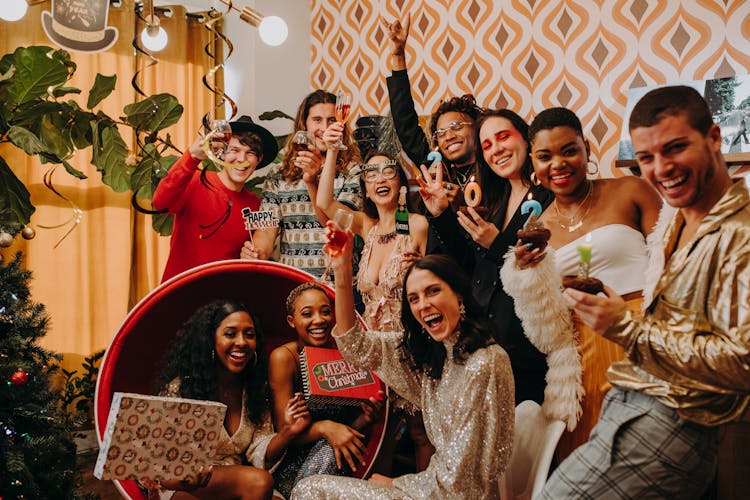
640 449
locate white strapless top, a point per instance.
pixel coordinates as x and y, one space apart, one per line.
618 257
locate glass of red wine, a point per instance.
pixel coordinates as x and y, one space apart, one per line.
220 134
342 222
343 107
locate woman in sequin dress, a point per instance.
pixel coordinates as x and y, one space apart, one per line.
386 253
328 446
448 364
218 356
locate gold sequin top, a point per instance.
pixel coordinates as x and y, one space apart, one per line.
468 414
691 350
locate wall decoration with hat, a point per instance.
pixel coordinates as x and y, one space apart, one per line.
79 25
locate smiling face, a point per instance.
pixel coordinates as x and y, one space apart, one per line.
382 191
433 303
560 156
457 146
237 153
503 147
319 118
235 341
312 318
681 163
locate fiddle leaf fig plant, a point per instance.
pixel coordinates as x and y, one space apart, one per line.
38 116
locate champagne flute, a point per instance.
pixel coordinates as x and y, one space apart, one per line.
342 221
343 107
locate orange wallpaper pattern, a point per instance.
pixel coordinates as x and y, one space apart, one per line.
528 55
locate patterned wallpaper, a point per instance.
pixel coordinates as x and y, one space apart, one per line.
528 55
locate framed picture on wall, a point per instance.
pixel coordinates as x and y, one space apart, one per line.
729 102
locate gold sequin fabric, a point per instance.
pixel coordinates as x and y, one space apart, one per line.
691 349
468 416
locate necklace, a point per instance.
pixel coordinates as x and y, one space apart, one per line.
386 238
570 227
462 178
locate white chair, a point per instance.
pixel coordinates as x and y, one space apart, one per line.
535 438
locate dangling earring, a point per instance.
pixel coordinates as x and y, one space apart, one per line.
588 169
462 311
213 355
534 180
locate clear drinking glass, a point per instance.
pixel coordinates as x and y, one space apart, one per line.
342 221
343 108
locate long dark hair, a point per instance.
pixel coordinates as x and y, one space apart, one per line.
368 207
418 348
496 189
190 359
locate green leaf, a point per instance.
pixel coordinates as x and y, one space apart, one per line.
73 171
62 90
55 136
7 74
30 114
115 173
37 69
80 131
103 86
153 113
15 201
163 223
165 163
141 181
272 115
26 140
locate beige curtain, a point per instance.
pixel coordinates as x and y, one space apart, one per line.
113 257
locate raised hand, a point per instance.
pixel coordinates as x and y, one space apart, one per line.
333 135
398 33
528 255
297 416
433 191
310 162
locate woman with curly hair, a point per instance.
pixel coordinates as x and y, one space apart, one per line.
218 356
449 365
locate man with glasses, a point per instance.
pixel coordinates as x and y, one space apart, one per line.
451 125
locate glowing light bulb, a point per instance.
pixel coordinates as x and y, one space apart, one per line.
154 38
13 10
273 30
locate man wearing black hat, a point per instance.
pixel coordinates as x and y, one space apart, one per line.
208 205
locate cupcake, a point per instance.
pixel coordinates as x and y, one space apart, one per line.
587 285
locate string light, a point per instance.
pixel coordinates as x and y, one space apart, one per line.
272 29
153 36
13 10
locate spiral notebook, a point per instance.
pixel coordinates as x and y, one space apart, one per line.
155 437
329 380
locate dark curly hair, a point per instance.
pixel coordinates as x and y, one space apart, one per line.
466 104
476 332
368 207
299 290
554 117
496 189
190 359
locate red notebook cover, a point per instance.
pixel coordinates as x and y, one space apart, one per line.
329 379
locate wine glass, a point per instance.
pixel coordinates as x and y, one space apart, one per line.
219 135
301 140
342 222
343 107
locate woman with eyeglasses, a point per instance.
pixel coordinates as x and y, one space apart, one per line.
387 252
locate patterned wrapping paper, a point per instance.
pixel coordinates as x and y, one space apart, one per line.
154 437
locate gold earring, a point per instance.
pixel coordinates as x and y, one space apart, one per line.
596 168
534 179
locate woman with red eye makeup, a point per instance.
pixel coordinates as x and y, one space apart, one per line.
504 170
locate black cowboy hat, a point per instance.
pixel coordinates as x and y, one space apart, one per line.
270 149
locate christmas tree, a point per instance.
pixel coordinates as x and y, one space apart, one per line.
37 453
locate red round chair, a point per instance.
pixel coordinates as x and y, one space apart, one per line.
131 363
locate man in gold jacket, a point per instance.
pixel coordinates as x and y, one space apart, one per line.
687 370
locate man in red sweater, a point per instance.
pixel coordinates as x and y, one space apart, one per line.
208 223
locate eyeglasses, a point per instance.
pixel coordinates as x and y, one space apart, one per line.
388 170
454 126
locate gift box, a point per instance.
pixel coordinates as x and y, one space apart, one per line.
329 380
154 437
